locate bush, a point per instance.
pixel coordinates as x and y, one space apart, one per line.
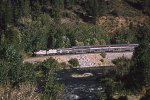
74 62
102 60
64 65
123 65
103 54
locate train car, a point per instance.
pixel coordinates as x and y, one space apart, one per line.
113 48
64 51
40 52
96 50
81 49
51 52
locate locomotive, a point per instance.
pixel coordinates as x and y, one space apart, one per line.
89 49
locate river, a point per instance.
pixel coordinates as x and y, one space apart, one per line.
80 83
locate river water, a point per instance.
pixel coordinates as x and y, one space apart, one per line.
81 88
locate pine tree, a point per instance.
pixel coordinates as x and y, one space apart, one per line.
25 5
50 41
1 16
36 9
96 7
69 3
8 12
141 58
57 5
6 15
16 11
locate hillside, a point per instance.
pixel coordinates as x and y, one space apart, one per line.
113 14
40 24
87 10
113 23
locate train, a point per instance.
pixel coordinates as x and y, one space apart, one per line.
89 49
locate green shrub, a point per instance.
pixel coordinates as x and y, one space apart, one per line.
123 65
74 62
103 54
64 65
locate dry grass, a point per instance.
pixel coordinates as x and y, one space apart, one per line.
26 91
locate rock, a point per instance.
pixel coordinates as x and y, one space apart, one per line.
82 75
74 97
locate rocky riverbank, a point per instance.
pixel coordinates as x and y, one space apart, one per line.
85 60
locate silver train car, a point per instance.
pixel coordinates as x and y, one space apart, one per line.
89 49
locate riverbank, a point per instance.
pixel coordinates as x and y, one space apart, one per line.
85 60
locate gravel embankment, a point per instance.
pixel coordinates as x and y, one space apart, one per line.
85 60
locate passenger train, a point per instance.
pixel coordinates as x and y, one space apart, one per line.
89 49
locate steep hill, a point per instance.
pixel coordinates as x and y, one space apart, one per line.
109 14
42 24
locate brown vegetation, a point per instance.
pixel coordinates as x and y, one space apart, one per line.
112 23
26 91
